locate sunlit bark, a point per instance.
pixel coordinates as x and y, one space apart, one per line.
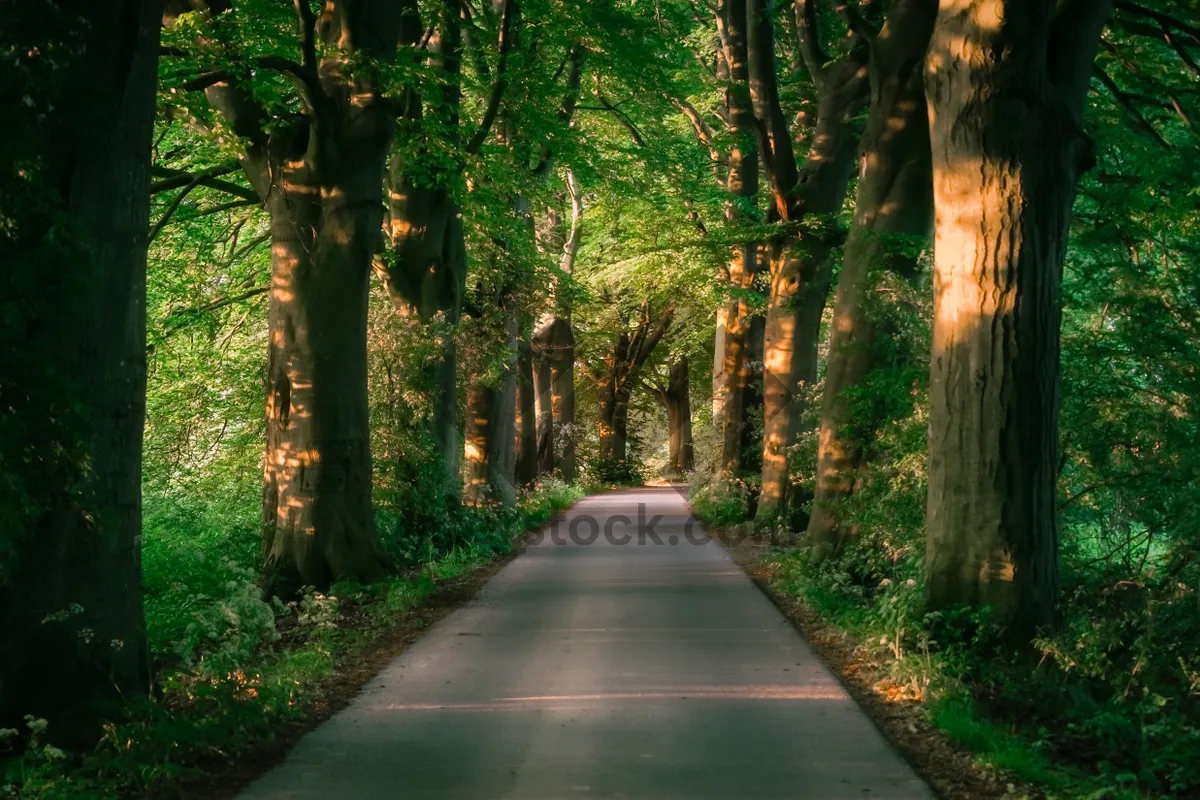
800 263
321 176
1006 81
893 212
729 392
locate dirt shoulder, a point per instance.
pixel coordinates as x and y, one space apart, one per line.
950 769
224 779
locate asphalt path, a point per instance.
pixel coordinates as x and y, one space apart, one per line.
618 657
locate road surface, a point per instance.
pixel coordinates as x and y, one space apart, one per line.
610 669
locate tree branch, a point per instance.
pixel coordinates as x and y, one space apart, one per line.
175 179
809 34
1158 16
567 110
497 92
849 12
1127 103
704 135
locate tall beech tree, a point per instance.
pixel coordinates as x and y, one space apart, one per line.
75 190
1006 82
893 214
318 165
618 374
554 347
675 395
425 265
800 191
735 345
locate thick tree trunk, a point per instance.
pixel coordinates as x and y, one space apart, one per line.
544 409
614 424
742 185
720 380
893 213
1007 151
677 399
427 269
491 431
554 349
318 520
70 591
562 389
800 275
321 175
526 427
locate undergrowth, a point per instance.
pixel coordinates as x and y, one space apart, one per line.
232 668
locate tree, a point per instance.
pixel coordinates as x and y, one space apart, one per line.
675 396
319 167
800 254
76 193
893 215
1006 82
554 346
618 375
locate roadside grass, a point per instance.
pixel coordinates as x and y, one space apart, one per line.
889 631
234 670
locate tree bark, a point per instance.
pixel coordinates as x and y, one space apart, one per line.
562 389
800 265
720 380
742 186
526 427
491 430
620 374
1005 107
893 214
544 409
321 176
554 349
676 397
70 586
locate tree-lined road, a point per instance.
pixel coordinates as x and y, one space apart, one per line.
604 670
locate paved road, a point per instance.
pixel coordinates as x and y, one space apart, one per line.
604 670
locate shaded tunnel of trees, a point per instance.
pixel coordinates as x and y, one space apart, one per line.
301 296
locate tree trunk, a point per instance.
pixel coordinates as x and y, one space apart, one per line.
677 399
615 384
720 380
893 214
544 408
491 431
1005 105
614 424
554 348
800 275
318 520
742 185
321 175
70 590
562 389
526 427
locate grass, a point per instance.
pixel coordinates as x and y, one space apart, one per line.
234 670
877 626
